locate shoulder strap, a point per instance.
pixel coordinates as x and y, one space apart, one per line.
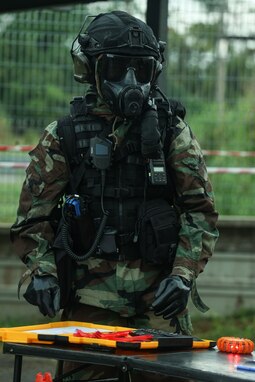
170 107
66 129
67 138
66 135
168 111
178 109
67 143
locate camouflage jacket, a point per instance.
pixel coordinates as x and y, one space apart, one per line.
126 287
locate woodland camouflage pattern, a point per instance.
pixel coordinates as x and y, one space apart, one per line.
125 287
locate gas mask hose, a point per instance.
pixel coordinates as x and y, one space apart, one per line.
150 135
67 245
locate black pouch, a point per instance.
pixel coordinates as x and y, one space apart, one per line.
158 229
80 225
82 233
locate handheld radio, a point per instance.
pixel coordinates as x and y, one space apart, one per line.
101 152
157 171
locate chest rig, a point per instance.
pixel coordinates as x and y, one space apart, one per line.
119 190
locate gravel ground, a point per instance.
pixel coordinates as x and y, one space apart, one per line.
30 367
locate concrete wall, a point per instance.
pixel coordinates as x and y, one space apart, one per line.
228 283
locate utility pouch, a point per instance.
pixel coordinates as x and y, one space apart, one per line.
107 244
81 225
157 229
82 232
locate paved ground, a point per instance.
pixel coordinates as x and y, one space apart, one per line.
31 366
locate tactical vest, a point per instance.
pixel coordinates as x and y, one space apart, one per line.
126 182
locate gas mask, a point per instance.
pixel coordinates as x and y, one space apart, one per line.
125 82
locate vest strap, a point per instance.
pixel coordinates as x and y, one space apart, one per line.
117 192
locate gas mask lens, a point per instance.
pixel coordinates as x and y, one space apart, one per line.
114 67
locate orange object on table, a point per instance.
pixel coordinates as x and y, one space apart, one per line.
43 378
235 345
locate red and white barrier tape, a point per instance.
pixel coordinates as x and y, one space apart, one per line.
229 153
14 165
211 170
231 170
16 147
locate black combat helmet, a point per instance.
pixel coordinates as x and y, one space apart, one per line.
121 56
118 32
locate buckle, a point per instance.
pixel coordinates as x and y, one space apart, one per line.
121 192
124 238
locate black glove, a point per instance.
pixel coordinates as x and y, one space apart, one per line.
44 292
171 297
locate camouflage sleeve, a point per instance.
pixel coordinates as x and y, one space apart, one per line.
195 200
46 177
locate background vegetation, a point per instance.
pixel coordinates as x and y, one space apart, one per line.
210 67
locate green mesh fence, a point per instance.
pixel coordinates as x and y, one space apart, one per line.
209 63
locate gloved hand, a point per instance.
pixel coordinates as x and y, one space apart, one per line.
171 297
182 323
44 292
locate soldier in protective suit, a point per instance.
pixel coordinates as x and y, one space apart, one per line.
116 218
